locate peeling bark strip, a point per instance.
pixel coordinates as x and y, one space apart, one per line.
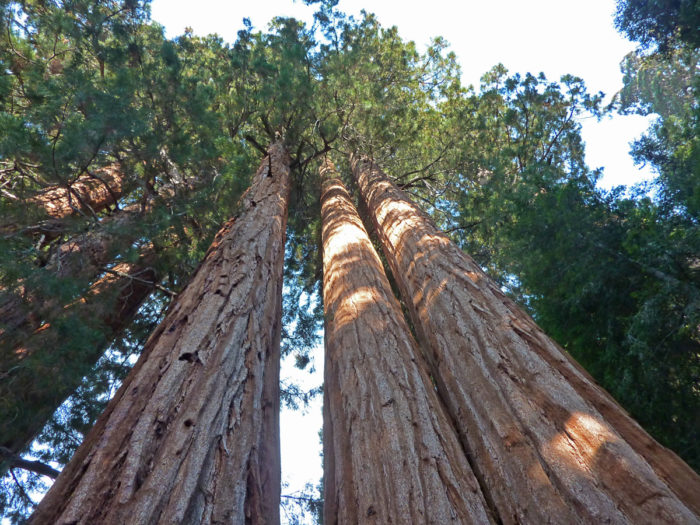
547 442
31 389
88 193
192 436
390 453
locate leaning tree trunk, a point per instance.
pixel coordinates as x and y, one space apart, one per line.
89 193
548 444
390 453
79 258
192 436
39 373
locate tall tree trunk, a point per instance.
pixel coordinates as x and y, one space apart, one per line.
39 368
39 373
390 453
192 436
548 443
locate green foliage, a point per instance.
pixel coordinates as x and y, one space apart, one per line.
65 431
614 280
613 277
659 83
86 85
659 22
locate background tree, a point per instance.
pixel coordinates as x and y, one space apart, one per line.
659 22
85 85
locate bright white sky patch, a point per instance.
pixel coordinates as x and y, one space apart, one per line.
551 36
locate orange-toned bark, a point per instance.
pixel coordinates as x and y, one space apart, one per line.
390 453
41 371
89 193
549 444
81 257
192 435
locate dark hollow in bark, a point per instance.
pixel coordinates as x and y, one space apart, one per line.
549 444
192 436
390 453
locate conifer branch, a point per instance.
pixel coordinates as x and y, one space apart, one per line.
138 279
255 144
37 467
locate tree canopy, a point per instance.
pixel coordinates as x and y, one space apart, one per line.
85 86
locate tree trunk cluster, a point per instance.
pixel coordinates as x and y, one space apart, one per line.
547 444
390 454
480 419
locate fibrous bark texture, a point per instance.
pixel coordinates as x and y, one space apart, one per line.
390 453
547 443
192 436
89 193
42 371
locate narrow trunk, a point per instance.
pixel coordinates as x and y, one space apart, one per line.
43 370
192 435
548 444
390 453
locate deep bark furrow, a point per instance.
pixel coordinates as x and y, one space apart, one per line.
390 453
550 444
190 415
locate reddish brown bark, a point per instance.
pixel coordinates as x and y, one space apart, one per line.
548 443
192 435
35 384
89 193
81 257
390 453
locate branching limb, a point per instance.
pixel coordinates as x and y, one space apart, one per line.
38 467
138 279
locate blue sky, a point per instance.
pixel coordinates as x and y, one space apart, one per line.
551 36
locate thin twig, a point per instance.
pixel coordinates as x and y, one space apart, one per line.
138 279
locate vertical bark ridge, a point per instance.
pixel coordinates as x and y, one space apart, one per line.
550 443
390 453
191 436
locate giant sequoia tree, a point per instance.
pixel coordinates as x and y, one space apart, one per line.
123 153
